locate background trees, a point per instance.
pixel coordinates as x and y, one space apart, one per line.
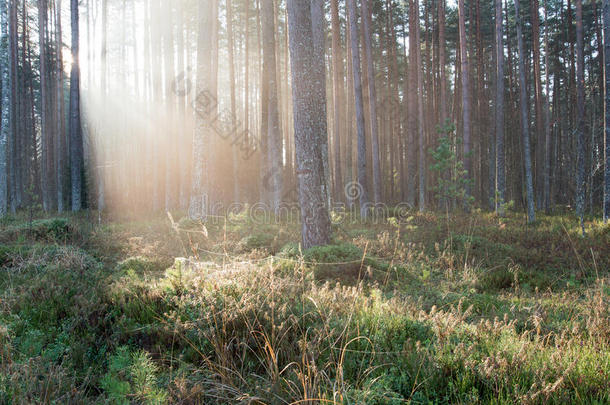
165 116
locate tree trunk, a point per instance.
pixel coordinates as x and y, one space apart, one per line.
273 179
441 62
13 139
172 190
349 122
412 103
606 17
531 214
366 23
60 132
500 189
538 101
360 189
338 96
4 108
420 120
547 119
101 181
76 139
318 27
308 110
465 96
580 106
199 197
234 148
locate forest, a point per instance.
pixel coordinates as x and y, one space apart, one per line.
304 201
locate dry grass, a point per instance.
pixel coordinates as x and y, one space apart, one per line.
429 311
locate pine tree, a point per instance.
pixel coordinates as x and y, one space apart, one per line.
76 138
500 166
273 182
200 181
531 214
4 107
308 108
465 90
357 80
606 18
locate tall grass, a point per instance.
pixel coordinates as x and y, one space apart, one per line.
467 311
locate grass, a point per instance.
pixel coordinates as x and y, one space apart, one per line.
475 309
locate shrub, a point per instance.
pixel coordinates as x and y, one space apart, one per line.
132 375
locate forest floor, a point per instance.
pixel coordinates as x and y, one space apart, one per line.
471 309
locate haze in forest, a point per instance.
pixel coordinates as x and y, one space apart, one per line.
188 105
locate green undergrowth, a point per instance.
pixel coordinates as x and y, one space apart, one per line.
474 309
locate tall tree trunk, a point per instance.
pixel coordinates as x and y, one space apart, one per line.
199 197
247 71
318 26
171 179
182 90
580 123
500 186
366 23
60 131
606 17
234 148
45 132
547 117
265 158
101 181
4 107
338 96
396 143
315 220
538 101
360 191
465 96
273 179
349 123
76 139
441 62
412 103
531 214
420 120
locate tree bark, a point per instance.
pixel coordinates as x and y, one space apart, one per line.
441 62
76 139
500 186
101 180
420 120
199 189
580 120
547 119
60 131
349 122
412 113
318 27
273 179
361 189
531 214
4 107
606 17
234 148
338 96
538 101
172 190
465 96
366 23
308 128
